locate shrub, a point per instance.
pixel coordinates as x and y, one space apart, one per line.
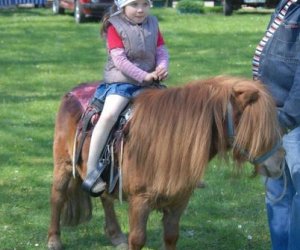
159 3
190 6
215 9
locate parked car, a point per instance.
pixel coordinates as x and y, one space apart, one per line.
82 9
230 5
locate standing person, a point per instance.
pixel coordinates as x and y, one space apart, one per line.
277 64
137 57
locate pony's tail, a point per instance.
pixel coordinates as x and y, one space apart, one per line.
75 204
77 208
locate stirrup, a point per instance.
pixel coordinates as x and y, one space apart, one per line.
93 179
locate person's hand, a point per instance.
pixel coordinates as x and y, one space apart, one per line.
161 72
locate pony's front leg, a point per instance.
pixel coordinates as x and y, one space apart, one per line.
138 217
112 227
171 218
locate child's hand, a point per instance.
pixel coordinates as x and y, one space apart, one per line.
150 77
161 72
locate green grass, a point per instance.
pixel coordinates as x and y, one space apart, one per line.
42 56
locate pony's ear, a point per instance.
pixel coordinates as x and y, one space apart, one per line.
245 95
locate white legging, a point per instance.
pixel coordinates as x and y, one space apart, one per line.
113 106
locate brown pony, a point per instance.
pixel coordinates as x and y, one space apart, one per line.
172 136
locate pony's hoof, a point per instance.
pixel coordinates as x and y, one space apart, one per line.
122 246
54 245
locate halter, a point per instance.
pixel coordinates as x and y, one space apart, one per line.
260 159
231 136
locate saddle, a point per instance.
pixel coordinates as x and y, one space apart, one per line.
109 165
93 107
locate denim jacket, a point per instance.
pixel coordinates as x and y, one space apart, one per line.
279 67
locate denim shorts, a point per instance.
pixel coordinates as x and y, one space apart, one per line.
123 89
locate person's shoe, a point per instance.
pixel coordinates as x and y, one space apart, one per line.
99 186
93 183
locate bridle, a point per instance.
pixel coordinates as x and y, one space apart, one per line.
260 159
231 136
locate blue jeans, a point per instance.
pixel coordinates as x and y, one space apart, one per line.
284 215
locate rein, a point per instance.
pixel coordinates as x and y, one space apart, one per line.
267 155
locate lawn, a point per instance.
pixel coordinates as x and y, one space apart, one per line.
43 56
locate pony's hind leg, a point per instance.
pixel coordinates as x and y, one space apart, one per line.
112 227
60 183
138 216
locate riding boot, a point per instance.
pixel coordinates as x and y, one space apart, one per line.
99 186
93 183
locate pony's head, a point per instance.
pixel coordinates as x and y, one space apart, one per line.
253 128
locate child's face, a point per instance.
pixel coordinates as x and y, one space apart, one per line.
137 10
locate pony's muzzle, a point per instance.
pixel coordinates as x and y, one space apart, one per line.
274 165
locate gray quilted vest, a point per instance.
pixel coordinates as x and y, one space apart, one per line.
140 43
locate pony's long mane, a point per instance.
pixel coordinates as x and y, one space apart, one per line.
175 132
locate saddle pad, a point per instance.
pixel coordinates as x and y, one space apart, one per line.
84 92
